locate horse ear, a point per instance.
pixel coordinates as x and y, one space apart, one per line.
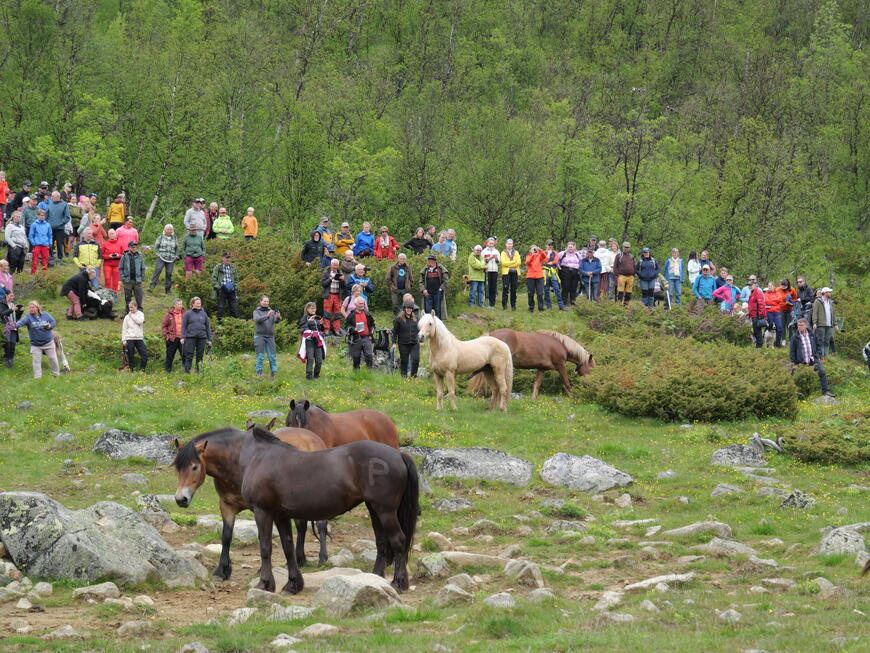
201 447
176 443
271 424
306 405
249 424
432 313
292 404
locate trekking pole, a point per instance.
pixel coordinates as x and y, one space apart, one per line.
668 294
589 289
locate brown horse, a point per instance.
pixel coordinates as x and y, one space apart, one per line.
336 429
283 483
541 350
216 454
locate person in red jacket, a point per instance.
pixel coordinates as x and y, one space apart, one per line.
385 245
757 312
773 304
535 277
112 250
171 330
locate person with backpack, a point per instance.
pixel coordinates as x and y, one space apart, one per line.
224 281
360 328
647 272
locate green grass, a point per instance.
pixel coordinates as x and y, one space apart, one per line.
226 391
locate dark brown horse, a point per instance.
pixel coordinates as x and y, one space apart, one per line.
541 350
216 454
283 483
341 428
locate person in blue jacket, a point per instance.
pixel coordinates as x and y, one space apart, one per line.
359 277
590 274
647 271
40 241
674 274
364 245
39 325
704 286
57 215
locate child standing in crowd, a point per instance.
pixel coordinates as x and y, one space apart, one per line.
249 225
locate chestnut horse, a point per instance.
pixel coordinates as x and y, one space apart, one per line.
216 454
282 483
541 350
336 429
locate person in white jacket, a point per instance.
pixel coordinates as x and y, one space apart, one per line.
604 255
492 258
133 336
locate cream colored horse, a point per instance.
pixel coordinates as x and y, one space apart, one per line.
449 356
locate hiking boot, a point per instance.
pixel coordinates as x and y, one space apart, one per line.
259 375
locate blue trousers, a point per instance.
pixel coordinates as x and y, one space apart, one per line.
475 290
433 303
647 290
265 346
553 282
774 320
675 287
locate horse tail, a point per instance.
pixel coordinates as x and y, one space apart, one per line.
477 383
509 377
409 508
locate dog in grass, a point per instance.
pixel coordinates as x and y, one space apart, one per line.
769 337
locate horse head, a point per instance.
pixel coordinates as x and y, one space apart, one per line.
298 414
191 470
427 326
584 367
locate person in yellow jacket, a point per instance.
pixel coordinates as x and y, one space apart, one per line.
249 225
87 254
344 240
510 274
223 225
117 212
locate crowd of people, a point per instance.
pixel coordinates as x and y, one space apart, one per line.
54 225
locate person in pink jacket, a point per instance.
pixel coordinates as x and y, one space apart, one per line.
728 294
127 234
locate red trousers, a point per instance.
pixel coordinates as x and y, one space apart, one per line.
332 312
111 277
39 252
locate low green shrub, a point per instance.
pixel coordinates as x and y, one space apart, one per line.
677 379
842 440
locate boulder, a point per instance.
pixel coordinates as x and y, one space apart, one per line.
771 492
566 525
841 540
64 632
609 599
341 558
583 473
738 455
135 628
100 591
541 595
258 598
431 565
64 437
451 595
318 630
119 445
288 612
631 523
134 479
240 616
525 573
104 541
283 640
730 616
501 601
726 488
727 548
193 647
605 618
666 579
778 583
476 463
648 606
267 415
463 581
700 528
340 595
798 499
464 559
452 505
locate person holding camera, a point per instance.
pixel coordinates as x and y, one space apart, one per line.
224 280
406 334
10 312
535 277
111 251
39 325
312 351
265 318
360 327
332 282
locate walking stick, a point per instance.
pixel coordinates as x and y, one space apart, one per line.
589 289
668 295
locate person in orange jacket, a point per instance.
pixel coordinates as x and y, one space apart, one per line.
535 277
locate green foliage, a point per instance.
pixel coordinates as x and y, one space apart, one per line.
501 627
675 379
839 440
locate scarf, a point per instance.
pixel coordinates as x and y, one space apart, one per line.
302 354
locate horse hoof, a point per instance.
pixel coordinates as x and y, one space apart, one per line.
400 586
300 562
222 573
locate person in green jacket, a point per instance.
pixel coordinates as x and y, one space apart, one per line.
193 250
476 272
223 225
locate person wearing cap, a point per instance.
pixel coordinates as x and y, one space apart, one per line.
75 289
40 236
399 280
418 243
535 277
476 275
364 244
223 225
405 335
43 194
728 295
332 282
195 217
28 212
16 242
386 246
58 216
625 267
67 193
433 284
117 212
193 250
249 225
343 241
824 321
674 276
132 270
224 281
360 278
804 350
491 257
509 263
551 277
757 309
166 251
127 234
327 238
112 252
590 275
647 272
704 286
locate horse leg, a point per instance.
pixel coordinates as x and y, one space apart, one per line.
450 379
539 380
503 391
323 532
295 582
264 532
224 569
396 541
563 374
301 528
380 542
439 392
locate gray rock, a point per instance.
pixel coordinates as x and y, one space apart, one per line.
193 647
64 632
798 499
771 492
631 523
717 528
738 455
240 616
104 541
605 618
258 598
120 445
135 628
841 540
858 488
451 595
465 559
623 500
778 583
476 463
669 473
452 505
730 616
341 558
25 405
425 488
825 400
318 630
502 601
99 591
267 414
134 479
583 473
463 581
726 488
64 437
99 426
727 548
541 595
485 526
340 595
555 504
283 640
609 599
561 525
648 606
666 579
288 612
525 573
43 589
143 389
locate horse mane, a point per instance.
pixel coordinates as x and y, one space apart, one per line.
262 435
574 348
188 453
442 333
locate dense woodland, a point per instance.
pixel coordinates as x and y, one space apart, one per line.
735 125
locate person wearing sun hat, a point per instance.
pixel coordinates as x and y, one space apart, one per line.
195 217
704 286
